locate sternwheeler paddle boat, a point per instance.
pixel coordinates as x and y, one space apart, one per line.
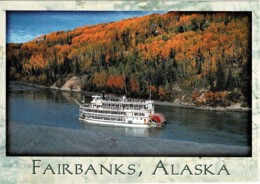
120 112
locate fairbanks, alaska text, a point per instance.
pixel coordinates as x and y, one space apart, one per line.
127 169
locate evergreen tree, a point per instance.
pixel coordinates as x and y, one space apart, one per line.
220 76
230 81
246 83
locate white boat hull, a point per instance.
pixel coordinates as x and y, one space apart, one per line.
121 124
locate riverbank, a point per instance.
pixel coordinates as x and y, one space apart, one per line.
30 139
232 108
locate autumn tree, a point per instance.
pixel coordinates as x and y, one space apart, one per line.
209 50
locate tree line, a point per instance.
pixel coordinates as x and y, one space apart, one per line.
193 51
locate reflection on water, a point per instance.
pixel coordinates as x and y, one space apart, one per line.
55 108
115 131
141 132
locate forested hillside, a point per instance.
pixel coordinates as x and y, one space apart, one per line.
204 58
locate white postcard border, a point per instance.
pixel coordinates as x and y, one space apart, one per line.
20 169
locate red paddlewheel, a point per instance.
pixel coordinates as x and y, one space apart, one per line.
158 118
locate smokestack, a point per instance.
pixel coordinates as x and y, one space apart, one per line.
103 95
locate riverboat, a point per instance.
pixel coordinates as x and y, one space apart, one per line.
120 112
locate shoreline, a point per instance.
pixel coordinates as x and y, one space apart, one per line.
232 108
204 108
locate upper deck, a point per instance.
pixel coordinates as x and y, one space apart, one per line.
120 103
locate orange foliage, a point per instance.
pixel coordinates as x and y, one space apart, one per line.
195 94
209 96
134 86
115 82
190 44
99 79
37 61
161 92
153 89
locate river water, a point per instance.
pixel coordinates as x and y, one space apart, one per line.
38 106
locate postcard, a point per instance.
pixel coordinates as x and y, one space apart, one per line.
129 91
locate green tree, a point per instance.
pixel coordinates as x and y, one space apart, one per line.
220 76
